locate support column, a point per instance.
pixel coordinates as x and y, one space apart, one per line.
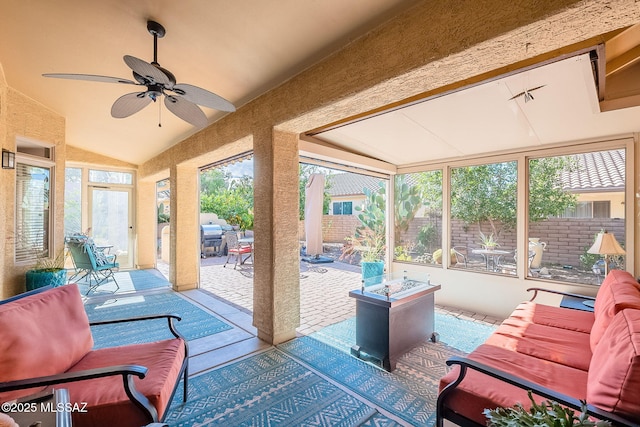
184 269
146 214
276 283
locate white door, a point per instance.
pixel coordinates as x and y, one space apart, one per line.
111 221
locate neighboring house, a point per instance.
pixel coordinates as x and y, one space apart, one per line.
347 192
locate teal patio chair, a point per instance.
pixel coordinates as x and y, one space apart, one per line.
91 263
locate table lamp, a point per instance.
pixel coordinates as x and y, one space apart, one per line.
605 244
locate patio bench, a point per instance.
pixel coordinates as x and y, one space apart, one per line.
46 341
560 354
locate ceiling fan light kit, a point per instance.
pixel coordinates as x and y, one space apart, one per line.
181 99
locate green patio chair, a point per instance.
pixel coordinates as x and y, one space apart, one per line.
91 263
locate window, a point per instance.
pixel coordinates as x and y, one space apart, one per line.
343 208
110 177
33 220
484 217
563 222
72 201
418 217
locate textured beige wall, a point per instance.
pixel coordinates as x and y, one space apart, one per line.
23 117
75 154
433 47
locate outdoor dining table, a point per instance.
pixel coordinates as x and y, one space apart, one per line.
491 257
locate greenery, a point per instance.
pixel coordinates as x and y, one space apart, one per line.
488 192
488 242
406 205
162 217
50 264
228 197
545 414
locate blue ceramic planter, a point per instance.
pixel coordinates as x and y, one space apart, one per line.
38 278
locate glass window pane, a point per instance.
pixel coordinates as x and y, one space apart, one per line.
347 208
72 201
558 244
484 217
110 177
418 217
32 212
337 208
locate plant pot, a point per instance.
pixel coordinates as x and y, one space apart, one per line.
372 272
40 278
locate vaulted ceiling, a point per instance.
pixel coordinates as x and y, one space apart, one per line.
236 49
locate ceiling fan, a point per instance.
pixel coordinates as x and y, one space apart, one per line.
527 94
179 98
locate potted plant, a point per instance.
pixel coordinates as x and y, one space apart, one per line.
488 242
47 271
545 414
370 246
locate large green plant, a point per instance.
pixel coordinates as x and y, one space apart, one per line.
406 205
231 201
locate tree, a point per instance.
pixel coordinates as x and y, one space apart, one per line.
213 181
229 198
488 193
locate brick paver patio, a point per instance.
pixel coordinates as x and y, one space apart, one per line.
324 291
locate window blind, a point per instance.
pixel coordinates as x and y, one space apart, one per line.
32 212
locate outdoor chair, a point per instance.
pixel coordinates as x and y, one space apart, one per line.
461 255
236 249
91 262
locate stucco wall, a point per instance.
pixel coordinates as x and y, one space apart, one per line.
22 117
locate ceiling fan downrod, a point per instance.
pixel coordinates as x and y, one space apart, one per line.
157 31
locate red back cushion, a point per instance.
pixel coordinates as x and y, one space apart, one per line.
614 374
43 334
618 291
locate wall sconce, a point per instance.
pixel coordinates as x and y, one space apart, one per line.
8 159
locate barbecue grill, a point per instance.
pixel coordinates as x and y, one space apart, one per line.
210 237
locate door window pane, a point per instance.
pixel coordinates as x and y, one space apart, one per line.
72 201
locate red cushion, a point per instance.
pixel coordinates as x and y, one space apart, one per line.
478 391
107 403
618 291
43 334
614 374
563 318
563 346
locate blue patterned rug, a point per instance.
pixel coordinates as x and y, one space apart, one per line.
461 334
269 389
129 281
195 323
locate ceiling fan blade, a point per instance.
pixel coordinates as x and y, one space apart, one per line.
147 70
129 104
186 110
203 97
90 77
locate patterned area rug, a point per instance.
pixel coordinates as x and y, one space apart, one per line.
460 334
269 389
129 281
195 323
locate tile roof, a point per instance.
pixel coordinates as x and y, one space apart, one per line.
601 170
597 171
349 184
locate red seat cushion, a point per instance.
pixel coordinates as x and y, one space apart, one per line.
618 291
107 402
563 346
478 391
563 318
614 374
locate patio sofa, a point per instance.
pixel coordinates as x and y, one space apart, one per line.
46 342
560 354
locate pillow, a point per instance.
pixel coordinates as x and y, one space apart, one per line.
619 290
613 382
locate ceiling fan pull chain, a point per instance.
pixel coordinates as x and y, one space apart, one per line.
159 114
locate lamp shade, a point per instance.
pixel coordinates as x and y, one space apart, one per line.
606 244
